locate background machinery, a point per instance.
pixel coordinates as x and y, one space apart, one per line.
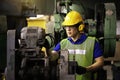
30 61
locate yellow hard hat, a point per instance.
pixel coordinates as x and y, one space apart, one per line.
72 18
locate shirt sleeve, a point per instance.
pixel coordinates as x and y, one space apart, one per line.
97 50
57 47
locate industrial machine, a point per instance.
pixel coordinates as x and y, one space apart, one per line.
30 61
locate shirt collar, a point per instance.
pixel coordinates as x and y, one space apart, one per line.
79 41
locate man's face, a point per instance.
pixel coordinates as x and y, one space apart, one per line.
71 31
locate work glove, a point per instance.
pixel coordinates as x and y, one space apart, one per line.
74 68
80 70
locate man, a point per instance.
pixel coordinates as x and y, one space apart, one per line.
87 51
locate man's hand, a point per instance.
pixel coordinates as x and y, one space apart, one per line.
74 68
80 70
54 55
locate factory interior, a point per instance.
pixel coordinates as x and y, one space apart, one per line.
30 29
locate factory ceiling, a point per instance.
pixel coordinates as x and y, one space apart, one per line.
14 7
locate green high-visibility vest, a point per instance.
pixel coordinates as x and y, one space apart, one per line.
82 53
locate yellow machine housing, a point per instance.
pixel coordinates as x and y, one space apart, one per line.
37 22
